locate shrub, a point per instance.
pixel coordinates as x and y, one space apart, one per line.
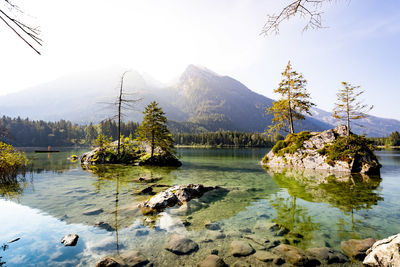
291 144
11 160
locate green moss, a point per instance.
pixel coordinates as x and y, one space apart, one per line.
347 148
291 144
265 159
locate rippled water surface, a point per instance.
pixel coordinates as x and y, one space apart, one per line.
53 199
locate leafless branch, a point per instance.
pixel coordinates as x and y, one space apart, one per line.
30 35
309 9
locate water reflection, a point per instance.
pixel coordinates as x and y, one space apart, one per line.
347 192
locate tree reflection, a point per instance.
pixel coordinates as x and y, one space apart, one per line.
294 218
348 192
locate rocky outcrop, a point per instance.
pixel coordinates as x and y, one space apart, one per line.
329 150
176 195
132 153
384 253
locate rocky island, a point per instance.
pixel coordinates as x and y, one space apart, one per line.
330 150
132 152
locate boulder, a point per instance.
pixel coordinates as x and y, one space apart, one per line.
212 261
176 195
134 258
384 253
240 263
309 150
295 256
70 240
241 248
357 249
109 262
327 255
181 245
212 226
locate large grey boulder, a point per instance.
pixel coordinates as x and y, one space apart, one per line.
309 155
176 195
384 253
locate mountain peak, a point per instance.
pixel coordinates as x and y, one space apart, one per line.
199 70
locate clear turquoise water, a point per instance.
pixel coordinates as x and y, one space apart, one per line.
50 201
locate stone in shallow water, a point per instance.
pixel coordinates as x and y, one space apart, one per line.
357 248
212 226
241 248
140 232
105 226
108 262
70 240
384 252
240 264
212 261
93 212
181 245
328 255
265 256
134 258
294 256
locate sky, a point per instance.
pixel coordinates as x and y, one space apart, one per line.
360 44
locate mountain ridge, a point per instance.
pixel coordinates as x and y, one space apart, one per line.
200 97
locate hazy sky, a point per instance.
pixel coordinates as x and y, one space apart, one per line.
361 44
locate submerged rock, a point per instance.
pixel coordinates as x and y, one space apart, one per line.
134 258
212 261
176 195
181 245
295 256
312 150
357 249
105 226
241 248
93 212
70 240
266 256
109 262
384 253
328 255
129 259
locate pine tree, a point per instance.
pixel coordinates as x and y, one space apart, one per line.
154 130
294 101
347 107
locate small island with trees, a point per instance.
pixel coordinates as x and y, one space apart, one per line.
336 149
153 146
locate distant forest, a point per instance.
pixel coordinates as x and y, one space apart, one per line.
30 133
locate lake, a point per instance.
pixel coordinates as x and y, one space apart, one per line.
58 197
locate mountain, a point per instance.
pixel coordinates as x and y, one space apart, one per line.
370 126
200 100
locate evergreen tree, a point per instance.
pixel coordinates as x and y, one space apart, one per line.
347 107
294 101
154 130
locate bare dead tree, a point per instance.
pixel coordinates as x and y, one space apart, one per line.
123 102
309 9
30 35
